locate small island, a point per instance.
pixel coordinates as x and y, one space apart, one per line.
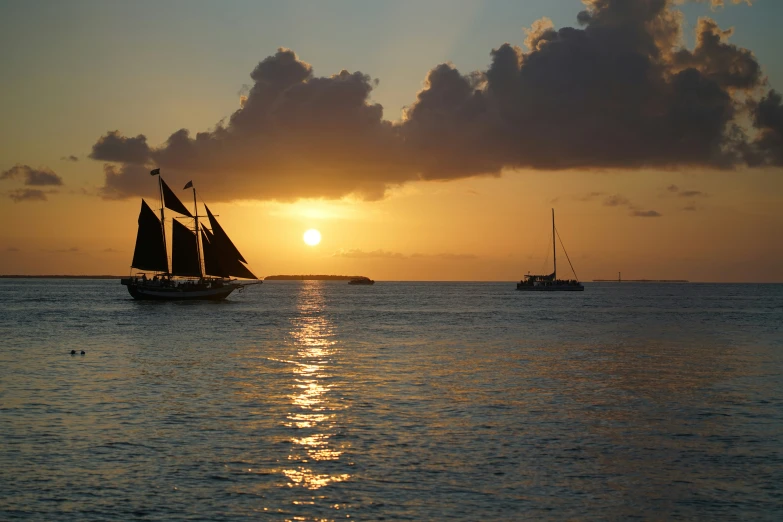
310 277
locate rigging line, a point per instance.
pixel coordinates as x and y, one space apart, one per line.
566 253
205 204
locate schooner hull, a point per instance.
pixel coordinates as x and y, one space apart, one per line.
178 294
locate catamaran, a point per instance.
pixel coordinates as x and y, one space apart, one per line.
550 282
199 269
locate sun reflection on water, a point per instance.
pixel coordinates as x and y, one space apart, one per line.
312 411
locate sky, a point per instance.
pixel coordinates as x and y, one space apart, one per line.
424 140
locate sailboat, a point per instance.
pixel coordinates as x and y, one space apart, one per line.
200 270
550 282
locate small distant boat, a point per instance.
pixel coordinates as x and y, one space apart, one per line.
361 281
199 270
550 282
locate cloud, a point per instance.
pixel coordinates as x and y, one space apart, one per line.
445 257
296 135
590 196
613 95
12 249
360 254
645 213
689 208
115 147
35 177
616 200
767 148
621 92
719 4
20 195
726 65
675 190
70 158
127 179
71 250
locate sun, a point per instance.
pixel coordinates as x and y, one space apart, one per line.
312 237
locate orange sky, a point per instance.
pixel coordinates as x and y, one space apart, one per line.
689 218
476 229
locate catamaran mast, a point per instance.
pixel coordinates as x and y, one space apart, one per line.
554 248
198 243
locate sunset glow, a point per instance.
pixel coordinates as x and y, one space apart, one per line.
437 159
312 237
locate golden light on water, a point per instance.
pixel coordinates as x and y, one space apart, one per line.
307 478
312 411
312 237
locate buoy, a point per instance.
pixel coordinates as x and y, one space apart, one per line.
73 352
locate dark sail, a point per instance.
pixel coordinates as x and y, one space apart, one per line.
237 269
184 252
150 252
172 201
212 264
222 238
229 258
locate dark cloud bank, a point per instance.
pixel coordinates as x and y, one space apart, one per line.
620 92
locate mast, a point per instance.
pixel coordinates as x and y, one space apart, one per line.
156 172
198 244
554 248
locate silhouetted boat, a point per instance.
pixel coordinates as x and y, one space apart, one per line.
361 281
550 282
200 270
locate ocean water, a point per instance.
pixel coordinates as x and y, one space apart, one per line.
399 401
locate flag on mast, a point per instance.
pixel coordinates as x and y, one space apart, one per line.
154 172
188 185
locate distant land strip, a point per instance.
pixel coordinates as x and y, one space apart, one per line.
14 276
641 281
316 277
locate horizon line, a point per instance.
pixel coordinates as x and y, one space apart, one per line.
614 281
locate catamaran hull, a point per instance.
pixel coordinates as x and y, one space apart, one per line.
528 288
177 294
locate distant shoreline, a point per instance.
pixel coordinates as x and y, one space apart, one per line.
347 278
